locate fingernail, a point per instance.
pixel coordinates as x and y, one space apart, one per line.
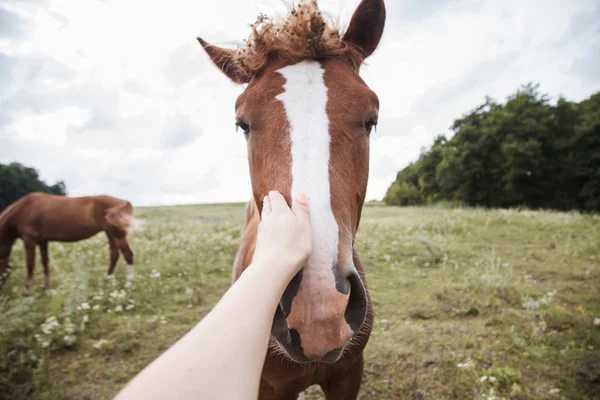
265 199
301 198
273 193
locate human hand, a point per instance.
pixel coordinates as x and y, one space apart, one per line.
284 240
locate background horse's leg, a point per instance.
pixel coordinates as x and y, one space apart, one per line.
345 386
45 262
128 254
114 255
30 249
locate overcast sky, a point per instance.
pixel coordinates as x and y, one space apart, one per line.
117 97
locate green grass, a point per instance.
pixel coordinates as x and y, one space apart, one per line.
470 304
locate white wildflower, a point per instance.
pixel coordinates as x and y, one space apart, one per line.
596 321
155 274
100 343
465 364
45 344
96 307
530 304
86 318
492 379
163 320
118 294
85 306
189 306
129 307
69 339
69 327
49 324
189 291
118 308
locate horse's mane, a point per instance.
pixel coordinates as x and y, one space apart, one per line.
303 34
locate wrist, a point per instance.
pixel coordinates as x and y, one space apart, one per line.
278 272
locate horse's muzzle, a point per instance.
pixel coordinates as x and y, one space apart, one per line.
317 323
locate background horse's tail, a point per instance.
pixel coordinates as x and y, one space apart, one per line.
121 216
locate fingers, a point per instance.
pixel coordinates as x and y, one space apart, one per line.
300 208
278 203
275 202
266 210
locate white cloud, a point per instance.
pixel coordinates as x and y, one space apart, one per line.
117 97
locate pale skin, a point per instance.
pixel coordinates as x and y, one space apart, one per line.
223 355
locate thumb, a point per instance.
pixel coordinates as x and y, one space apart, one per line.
300 208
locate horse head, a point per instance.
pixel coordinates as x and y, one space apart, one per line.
307 116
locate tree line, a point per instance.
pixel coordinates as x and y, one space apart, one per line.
527 152
16 180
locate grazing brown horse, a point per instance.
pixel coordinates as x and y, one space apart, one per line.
38 218
307 116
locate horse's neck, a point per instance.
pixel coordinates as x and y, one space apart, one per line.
7 230
7 239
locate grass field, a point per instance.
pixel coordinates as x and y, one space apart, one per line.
470 304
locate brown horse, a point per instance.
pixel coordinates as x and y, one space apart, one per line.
38 218
307 116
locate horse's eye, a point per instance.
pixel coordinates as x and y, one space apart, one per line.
370 123
243 125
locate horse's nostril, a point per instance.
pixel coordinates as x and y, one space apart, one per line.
356 311
280 329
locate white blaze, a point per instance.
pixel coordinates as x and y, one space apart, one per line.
305 102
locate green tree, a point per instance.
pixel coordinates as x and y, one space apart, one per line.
587 153
17 180
526 152
405 190
427 170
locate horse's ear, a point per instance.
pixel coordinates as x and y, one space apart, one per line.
224 60
366 26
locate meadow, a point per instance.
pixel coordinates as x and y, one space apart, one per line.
470 304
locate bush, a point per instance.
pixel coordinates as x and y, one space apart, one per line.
403 194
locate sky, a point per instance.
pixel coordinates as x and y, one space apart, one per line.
117 97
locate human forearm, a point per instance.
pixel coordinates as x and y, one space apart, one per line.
223 356
194 366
